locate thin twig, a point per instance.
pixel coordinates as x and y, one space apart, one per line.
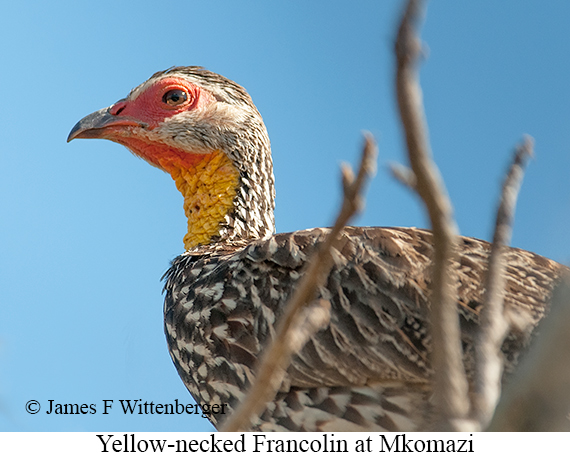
493 326
538 398
404 175
299 321
449 380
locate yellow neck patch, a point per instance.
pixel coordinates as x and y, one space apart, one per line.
209 185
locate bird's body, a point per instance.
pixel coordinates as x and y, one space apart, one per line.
368 369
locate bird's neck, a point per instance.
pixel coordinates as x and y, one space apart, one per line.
209 186
222 202
219 206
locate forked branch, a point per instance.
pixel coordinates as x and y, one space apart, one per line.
449 380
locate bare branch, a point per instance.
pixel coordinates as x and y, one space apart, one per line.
538 397
449 380
299 321
493 326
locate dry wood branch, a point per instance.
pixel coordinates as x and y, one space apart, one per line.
449 380
300 321
538 397
489 362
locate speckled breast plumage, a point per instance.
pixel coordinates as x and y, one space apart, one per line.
368 369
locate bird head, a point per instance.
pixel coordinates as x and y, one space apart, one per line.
204 130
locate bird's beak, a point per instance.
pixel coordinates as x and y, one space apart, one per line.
100 123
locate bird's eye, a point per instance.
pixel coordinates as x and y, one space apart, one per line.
175 97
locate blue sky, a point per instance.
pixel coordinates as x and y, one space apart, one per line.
87 230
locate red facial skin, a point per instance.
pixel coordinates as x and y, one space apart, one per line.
150 109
